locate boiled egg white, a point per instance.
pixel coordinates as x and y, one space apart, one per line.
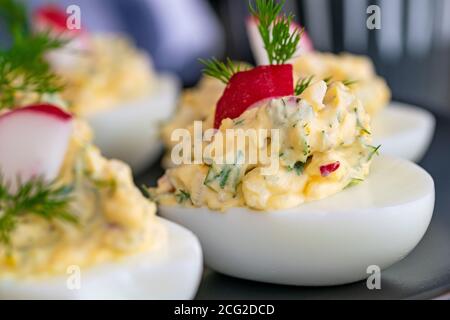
172 270
328 242
130 131
403 130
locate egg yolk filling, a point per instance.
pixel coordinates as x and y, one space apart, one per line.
114 219
359 70
323 146
110 72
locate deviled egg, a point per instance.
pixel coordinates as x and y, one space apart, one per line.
73 225
305 207
113 85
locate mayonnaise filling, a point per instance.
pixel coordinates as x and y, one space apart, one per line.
114 219
324 128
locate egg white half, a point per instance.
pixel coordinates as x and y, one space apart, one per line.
327 242
130 132
403 130
170 271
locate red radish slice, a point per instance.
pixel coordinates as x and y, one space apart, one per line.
52 17
33 143
248 87
257 45
328 169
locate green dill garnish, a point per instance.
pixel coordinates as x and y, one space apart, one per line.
353 182
327 80
302 85
349 82
359 124
14 15
145 192
223 176
181 196
222 71
110 184
307 148
275 30
238 122
23 68
374 151
299 167
34 197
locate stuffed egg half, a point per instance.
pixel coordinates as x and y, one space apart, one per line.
84 231
323 216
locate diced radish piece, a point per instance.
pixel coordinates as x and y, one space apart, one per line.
328 169
53 19
33 143
248 87
257 45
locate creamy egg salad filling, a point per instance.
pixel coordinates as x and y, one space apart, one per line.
324 147
196 104
368 87
113 218
109 72
199 103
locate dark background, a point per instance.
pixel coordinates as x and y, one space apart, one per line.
411 50
415 61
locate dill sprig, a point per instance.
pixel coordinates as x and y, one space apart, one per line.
373 151
328 80
275 30
35 197
353 182
23 68
348 82
181 196
302 85
14 15
345 82
220 70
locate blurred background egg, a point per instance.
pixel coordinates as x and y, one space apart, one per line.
172 270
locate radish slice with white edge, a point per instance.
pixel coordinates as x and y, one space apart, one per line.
33 143
53 19
257 45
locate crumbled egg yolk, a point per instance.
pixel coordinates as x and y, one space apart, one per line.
199 103
114 219
368 87
111 71
327 124
196 104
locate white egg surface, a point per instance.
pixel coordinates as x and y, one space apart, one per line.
327 242
130 132
170 271
403 130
